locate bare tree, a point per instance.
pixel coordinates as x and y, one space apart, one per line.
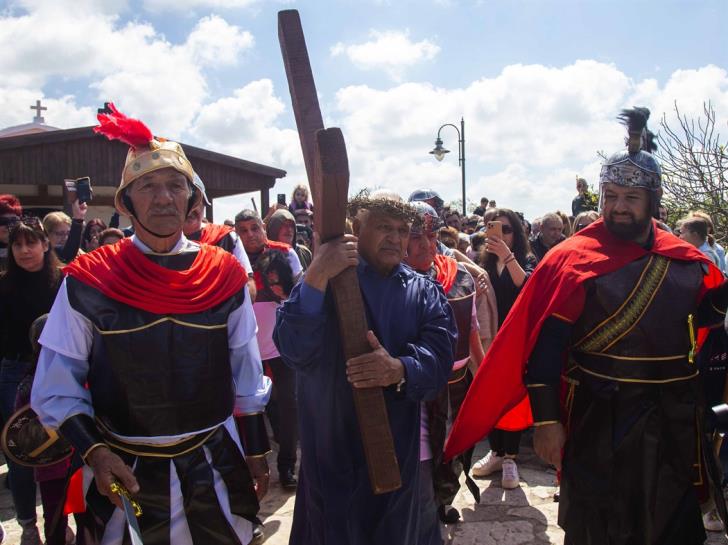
694 163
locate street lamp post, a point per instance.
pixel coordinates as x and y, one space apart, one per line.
439 152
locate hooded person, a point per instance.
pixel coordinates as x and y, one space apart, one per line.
281 227
607 324
148 351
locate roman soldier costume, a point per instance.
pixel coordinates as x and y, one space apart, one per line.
459 288
149 355
223 236
609 328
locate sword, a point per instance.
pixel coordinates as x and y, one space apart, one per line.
132 510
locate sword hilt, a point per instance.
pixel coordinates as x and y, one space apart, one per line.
119 489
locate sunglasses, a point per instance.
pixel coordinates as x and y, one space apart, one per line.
29 221
507 229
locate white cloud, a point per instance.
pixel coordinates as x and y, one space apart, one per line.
390 50
248 125
529 130
131 64
216 42
187 5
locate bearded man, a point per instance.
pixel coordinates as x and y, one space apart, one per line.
148 351
608 326
412 336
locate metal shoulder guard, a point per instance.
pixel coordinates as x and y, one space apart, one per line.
253 434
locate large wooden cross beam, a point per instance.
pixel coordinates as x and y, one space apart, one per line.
327 167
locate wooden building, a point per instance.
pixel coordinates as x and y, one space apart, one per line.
33 167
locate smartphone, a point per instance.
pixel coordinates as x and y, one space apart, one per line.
494 228
282 198
83 190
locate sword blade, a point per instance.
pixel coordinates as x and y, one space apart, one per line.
131 522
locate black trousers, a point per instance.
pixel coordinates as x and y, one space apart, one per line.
282 411
504 442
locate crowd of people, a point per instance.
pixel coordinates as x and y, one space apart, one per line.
159 352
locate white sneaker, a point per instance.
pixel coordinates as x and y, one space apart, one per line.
510 478
712 521
490 463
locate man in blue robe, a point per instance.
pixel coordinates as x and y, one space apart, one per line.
413 335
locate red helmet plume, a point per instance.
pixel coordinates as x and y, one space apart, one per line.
117 126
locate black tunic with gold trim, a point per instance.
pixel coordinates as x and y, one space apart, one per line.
162 382
631 400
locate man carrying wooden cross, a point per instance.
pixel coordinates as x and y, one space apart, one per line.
412 336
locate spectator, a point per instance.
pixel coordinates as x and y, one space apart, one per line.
454 220
300 199
303 216
566 222
483 206
276 268
491 204
110 236
527 228
27 291
430 197
583 200
535 230
509 263
471 224
476 245
463 243
717 248
90 238
10 211
64 233
281 227
51 479
550 234
304 236
449 237
662 213
229 223
694 230
583 219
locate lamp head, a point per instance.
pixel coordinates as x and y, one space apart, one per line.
439 152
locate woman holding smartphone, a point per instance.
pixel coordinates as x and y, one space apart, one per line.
27 291
507 259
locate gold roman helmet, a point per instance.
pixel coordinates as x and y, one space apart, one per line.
146 153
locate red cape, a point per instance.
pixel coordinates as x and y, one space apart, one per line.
122 272
555 287
447 270
213 233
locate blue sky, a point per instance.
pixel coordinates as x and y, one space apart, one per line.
539 83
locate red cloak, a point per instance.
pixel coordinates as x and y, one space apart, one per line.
213 233
555 287
122 272
447 270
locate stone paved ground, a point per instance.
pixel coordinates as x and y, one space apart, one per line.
503 517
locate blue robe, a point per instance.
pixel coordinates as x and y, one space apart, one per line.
411 318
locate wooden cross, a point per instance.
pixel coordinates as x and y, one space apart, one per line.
327 167
38 109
